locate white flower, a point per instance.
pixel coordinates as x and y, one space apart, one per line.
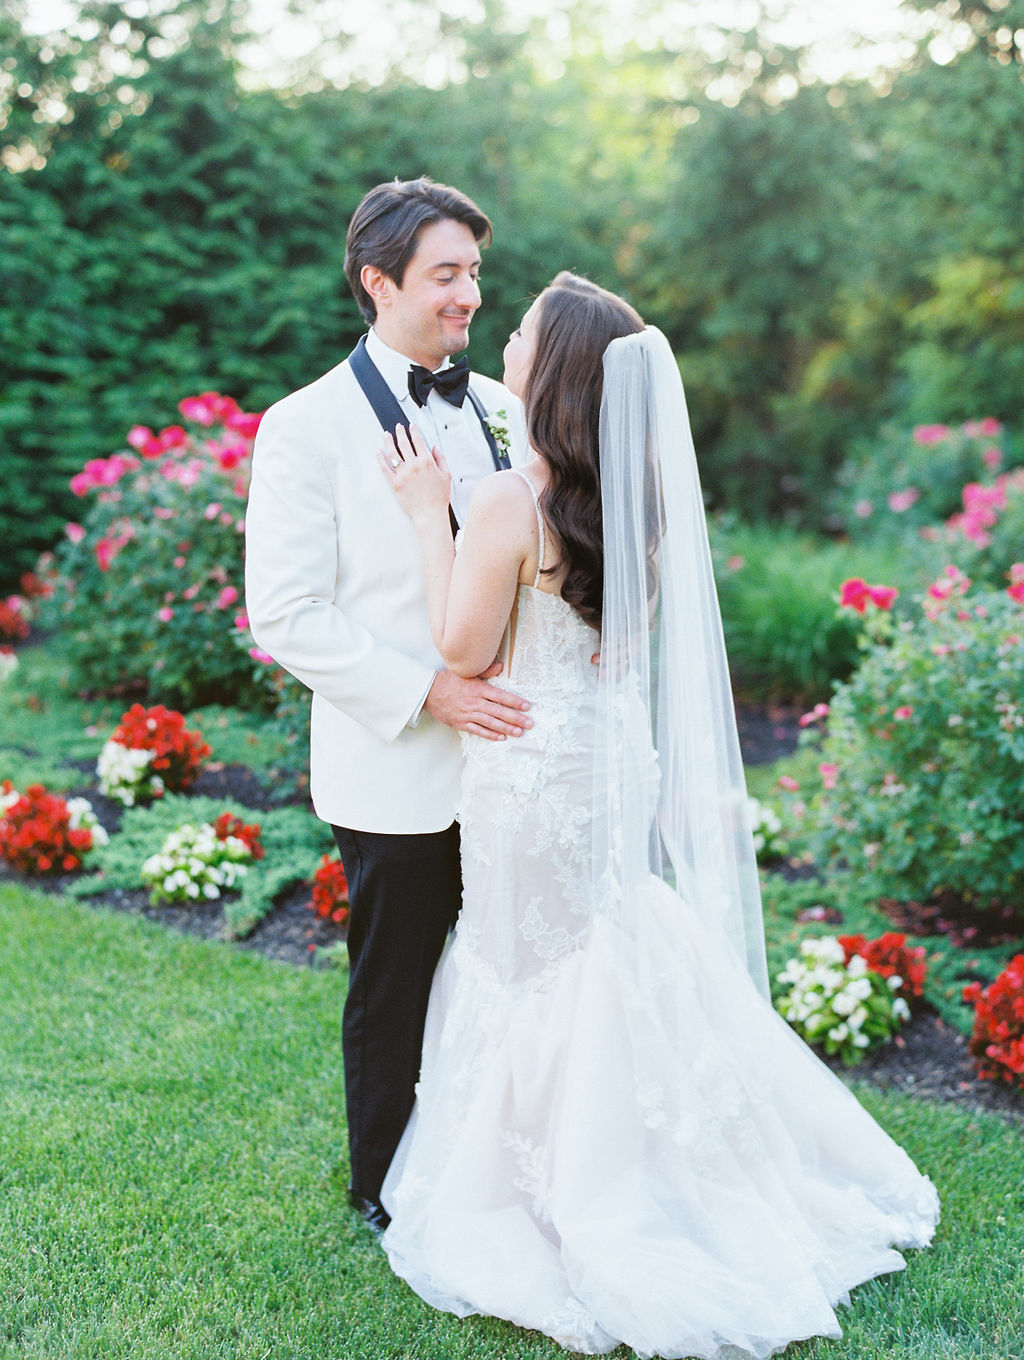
844 1003
839 1033
80 814
895 982
900 1009
195 863
8 663
498 424
124 773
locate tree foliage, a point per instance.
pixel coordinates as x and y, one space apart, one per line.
823 258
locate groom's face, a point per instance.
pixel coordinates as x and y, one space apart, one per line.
428 317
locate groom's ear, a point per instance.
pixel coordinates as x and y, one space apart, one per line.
377 284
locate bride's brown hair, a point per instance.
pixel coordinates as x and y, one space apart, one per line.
576 322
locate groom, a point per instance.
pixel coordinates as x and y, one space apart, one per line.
334 591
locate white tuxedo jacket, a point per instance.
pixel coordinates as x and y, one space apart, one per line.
334 592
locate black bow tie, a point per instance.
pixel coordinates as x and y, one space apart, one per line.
451 382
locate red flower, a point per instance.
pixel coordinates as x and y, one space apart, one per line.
227 824
997 1042
36 836
13 623
890 956
330 891
178 753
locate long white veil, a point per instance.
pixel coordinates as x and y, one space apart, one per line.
679 814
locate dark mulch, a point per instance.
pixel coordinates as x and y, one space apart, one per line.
767 731
930 1059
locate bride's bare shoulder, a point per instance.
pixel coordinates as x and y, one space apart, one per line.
503 492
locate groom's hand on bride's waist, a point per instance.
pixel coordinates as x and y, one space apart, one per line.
476 707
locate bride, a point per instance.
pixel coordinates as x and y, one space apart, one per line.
615 1138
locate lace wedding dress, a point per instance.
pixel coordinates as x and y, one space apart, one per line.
615 1138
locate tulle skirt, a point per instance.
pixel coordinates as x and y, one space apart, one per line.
630 1146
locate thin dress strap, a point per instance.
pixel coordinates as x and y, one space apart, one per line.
540 523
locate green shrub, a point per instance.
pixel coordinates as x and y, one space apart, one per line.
923 764
148 588
778 591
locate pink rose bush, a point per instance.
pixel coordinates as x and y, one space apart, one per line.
922 766
910 479
149 577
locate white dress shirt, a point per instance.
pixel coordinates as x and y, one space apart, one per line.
455 430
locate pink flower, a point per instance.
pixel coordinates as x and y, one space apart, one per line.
229 456
75 532
855 593
931 434
951 583
787 782
903 500
882 597
990 427
173 437
106 551
992 457
818 711
190 592
242 620
212 510
258 654
199 409
139 436
179 561
244 424
163 512
165 614
904 711
863 509
736 563
227 597
829 774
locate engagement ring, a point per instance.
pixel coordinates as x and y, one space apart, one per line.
395 462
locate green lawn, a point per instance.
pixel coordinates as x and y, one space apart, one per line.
172 1174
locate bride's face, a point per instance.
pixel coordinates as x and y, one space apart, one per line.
519 351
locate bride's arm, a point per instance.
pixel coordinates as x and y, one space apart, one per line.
469 597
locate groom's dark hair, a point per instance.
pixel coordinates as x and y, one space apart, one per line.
386 226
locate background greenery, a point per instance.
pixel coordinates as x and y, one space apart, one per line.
822 255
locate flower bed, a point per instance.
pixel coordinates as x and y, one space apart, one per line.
43 833
997 1042
836 999
150 752
202 861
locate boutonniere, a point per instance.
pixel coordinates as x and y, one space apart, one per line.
497 423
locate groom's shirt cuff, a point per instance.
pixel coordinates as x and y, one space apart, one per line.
418 710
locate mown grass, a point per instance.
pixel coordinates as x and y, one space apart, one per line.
172 1173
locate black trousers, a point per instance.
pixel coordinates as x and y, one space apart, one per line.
404 897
